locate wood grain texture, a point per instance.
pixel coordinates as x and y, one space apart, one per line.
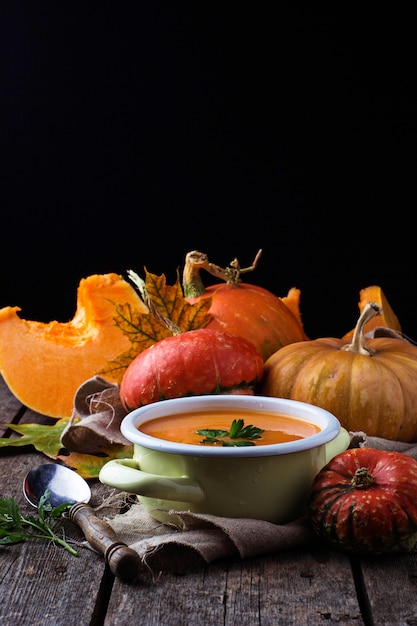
43 585
391 588
289 588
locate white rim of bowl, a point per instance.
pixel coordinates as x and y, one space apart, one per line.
329 424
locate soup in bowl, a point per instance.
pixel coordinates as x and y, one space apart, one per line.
226 455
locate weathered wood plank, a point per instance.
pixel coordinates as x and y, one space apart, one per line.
286 588
304 587
391 588
194 597
44 584
9 406
41 583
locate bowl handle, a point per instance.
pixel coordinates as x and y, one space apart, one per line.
125 474
339 444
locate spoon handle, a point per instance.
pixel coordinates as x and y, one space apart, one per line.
123 561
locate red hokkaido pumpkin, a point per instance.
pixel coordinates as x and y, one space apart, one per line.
365 501
197 362
243 309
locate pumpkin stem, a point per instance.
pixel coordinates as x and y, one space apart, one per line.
358 343
192 284
362 479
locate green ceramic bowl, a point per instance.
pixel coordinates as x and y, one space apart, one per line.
268 482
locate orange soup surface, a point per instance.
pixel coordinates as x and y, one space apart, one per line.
277 428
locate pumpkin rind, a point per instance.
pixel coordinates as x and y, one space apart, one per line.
375 393
242 309
254 313
43 364
196 362
374 519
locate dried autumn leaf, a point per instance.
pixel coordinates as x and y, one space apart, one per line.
145 329
96 419
170 302
89 465
46 439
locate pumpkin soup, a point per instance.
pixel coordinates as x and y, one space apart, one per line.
228 427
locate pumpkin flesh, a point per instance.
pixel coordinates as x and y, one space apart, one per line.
292 302
43 364
386 318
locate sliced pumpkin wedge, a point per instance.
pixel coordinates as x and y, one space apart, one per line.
388 318
43 364
292 302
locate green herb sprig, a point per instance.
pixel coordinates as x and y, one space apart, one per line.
239 435
15 527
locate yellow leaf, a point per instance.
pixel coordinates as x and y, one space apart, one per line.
170 302
89 465
46 439
145 329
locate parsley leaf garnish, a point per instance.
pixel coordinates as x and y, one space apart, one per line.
239 435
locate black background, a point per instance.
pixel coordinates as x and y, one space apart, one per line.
133 133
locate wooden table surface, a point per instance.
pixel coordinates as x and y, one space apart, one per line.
42 584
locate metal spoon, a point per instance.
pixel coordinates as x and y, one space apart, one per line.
64 485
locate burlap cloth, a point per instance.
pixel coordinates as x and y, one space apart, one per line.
197 538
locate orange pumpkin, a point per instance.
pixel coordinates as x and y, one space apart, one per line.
243 309
43 364
370 385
